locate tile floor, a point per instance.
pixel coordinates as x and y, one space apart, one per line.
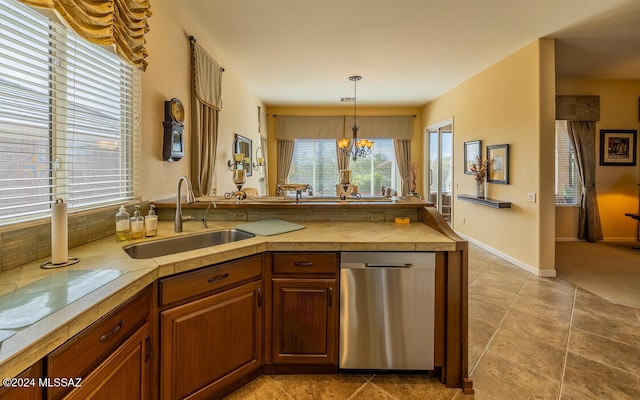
529 338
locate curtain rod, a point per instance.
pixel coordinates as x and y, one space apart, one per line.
192 40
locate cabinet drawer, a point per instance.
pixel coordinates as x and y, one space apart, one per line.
87 349
305 263
205 280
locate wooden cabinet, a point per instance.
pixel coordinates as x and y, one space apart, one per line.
211 343
111 356
123 375
304 308
26 385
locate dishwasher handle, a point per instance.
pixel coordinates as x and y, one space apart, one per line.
389 265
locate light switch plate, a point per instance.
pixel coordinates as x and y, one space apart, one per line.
531 197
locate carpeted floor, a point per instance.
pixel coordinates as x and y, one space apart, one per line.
609 269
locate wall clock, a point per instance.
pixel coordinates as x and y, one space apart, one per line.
173 144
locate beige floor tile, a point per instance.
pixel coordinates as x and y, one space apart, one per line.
480 332
503 379
534 353
492 280
326 387
588 302
477 395
605 351
587 379
607 327
490 309
371 392
414 387
262 388
532 327
552 291
560 312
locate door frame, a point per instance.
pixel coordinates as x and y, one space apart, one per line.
426 159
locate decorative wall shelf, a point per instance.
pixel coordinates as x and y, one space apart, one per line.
485 202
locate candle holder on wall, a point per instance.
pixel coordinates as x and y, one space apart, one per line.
260 159
239 175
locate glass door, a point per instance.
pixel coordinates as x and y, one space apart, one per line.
440 167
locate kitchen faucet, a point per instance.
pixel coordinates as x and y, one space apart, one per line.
191 198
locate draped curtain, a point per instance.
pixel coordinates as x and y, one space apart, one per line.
582 135
403 158
121 23
264 171
285 155
207 103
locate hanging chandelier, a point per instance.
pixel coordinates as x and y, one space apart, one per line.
355 147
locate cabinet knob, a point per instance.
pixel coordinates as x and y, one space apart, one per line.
330 296
259 297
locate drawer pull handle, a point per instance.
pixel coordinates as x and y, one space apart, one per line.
330 297
147 355
218 278
259 297
303 264
113 332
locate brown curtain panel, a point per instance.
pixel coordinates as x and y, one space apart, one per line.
582 135
206 106
285 155
403 158
122 23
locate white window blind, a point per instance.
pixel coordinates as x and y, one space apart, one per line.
68 119
568 183
315 162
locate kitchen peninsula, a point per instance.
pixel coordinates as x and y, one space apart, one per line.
248 275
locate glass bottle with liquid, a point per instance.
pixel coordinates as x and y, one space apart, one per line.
151 222
123 225
137 224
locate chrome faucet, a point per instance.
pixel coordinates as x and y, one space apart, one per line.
191 198
204 219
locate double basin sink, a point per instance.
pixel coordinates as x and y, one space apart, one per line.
178 244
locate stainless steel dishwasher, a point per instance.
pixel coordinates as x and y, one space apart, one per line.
387 310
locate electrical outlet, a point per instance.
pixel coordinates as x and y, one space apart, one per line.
531 197
377 217
239 216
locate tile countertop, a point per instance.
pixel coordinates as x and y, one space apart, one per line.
33 342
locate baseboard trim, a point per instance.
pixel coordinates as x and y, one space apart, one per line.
544 273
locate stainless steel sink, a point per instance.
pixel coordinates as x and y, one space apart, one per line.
163 247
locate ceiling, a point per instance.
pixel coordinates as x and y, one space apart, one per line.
409 52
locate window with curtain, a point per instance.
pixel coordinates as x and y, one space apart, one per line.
68 118
568 183
314 162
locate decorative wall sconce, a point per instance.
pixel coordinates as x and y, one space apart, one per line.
260 159
239 175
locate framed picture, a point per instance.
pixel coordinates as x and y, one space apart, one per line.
472 150
499 170
618 147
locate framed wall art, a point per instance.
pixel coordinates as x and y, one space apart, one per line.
618 147
472 150
499 169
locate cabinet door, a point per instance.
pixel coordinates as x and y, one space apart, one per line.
29 385
305 321
123 375
209 343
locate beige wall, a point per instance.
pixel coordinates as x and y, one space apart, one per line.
416 135
169 75
617 187
510 102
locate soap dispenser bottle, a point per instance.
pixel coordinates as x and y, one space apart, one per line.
151 222
123 225
137 224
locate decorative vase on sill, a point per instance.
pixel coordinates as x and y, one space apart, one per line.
480 189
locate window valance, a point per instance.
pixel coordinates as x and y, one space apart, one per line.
578 108
122 23
332 127
207 75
